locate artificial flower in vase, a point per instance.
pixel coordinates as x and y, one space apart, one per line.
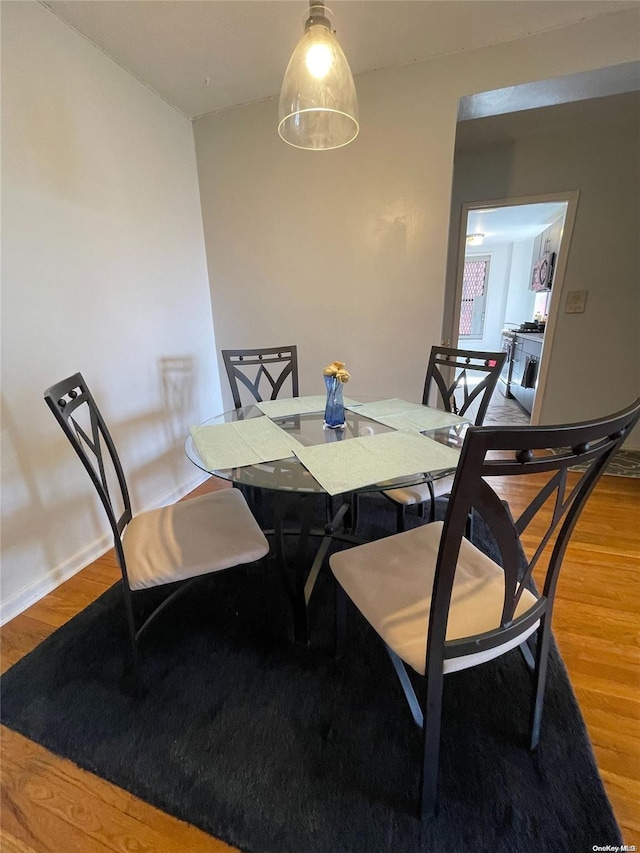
334 378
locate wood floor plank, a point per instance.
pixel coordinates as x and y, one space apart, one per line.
626 795
63 801
604 669
20 636
592 622
10 844
616 753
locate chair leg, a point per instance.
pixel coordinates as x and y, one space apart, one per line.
427 718
341 621
138 686
432 498
431 746
354 512
528 655
539 679
400 518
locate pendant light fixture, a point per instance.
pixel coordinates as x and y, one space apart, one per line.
318 105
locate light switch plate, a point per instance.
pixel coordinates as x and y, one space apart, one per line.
576 301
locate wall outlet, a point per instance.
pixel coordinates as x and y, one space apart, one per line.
576 300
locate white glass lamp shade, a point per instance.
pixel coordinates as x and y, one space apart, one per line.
318 105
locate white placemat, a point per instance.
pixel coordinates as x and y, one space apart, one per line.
343 466
392 406
403 415
239 443
281 408
422 420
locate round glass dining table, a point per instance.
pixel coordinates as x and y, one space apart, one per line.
308 428
293 486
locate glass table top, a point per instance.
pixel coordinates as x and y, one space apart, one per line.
290 474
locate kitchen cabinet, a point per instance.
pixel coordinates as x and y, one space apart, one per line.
527 350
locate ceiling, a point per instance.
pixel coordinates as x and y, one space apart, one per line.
202 56
510 224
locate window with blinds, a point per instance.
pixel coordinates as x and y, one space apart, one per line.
474 295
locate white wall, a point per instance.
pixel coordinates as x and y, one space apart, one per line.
344 252
594 361
104 272
520 299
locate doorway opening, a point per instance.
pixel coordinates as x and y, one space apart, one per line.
511 262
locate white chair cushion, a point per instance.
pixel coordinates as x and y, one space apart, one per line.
410 495
192 538
390 581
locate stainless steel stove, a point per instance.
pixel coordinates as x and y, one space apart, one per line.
507 341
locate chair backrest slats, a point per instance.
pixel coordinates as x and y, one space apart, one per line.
70 399
463 377
248 368
546 453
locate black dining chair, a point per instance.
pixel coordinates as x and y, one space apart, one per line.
256 375
465 381
264 372
441 605
177 543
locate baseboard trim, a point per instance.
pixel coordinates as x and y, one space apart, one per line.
57 575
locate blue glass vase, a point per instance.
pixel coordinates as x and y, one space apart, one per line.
334 410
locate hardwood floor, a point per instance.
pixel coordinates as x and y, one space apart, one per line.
50 806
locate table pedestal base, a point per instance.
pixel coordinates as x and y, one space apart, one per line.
300 580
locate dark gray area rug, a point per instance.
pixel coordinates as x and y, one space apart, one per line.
277 748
